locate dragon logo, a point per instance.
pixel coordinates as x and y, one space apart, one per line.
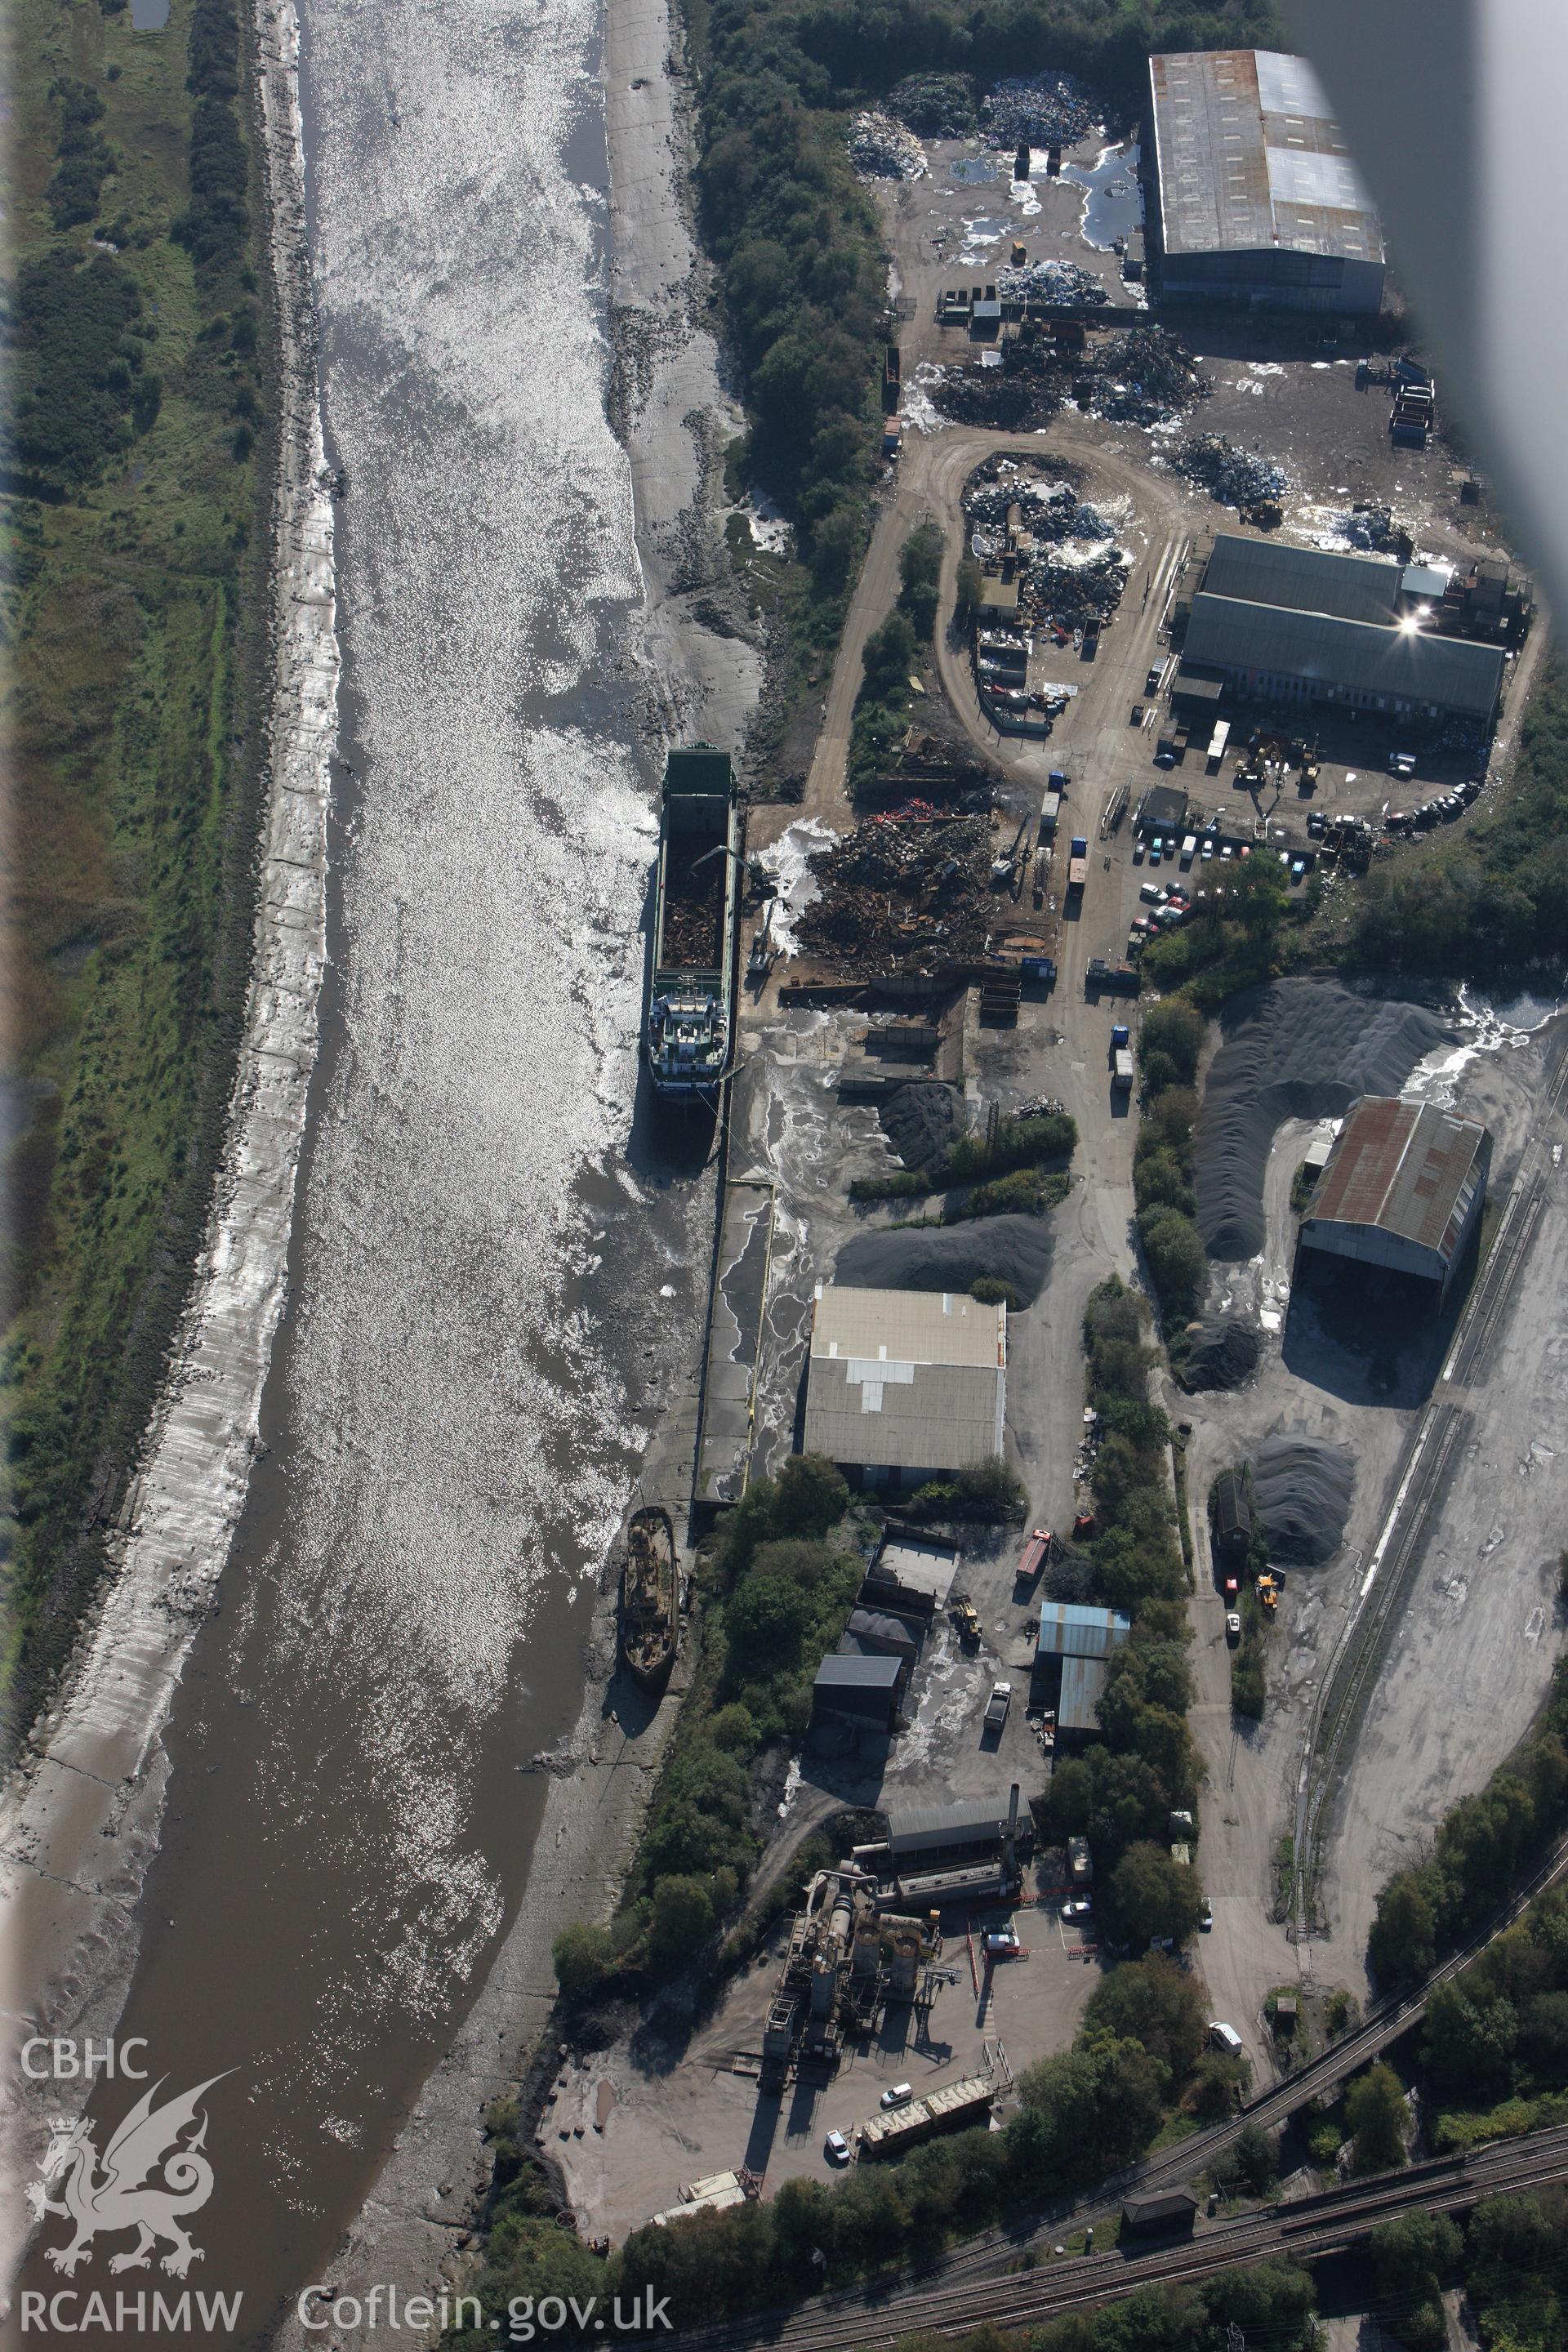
124 2196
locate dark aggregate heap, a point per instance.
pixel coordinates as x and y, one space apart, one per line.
1303 1487
1295 1049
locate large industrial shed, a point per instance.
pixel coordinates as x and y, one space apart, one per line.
1403 1189
1293 624
1253 196
904 1385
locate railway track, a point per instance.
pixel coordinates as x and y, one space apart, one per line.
1307 2232
983 2260
1398 1549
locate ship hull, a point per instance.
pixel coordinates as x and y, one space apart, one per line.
650 1620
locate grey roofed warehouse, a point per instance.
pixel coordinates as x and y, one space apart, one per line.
1255 197
902 1385
1297 624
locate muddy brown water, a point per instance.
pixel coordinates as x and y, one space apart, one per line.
313 1928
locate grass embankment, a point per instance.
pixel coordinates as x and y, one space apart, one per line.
799 248
134 503
1492 898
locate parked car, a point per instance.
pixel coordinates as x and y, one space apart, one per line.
1206 851
900 2096
1079 1907
1155 852
1137 718
1165 759
1151 683
1138 851
1232 1626
836 2148
1298 870
1206 1918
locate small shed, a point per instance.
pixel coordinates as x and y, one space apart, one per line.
1173 2211
1232 1516
859 1690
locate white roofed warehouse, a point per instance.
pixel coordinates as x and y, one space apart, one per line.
1404 1188
1253 194
903 1386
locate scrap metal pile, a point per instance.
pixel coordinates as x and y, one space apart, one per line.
694 913
1052 109
901 894
1012 398
1061 283
1375 527
1072 573
1237 477
883 149
1144 377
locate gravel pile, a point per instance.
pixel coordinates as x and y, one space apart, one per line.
1222 1355
1296 1049
937 105
1237 477
951 1257
1051 110
1302 1488
923 1123
882 148
1062 283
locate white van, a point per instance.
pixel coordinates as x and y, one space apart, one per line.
1189 848
1226 2037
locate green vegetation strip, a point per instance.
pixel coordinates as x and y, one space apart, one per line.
134 503
798 244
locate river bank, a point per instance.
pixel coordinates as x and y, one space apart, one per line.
673 419
80 1818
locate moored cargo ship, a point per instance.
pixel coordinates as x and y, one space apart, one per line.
687 1027
649 1612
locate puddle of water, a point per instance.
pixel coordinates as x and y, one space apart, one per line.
1487 1028
1112 205
149 16
974 171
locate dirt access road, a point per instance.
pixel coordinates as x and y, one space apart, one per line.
1068 1051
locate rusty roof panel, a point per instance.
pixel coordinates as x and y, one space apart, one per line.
1411 1168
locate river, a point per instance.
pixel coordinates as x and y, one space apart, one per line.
487 1265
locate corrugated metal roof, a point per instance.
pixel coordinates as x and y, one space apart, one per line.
852 1672
1406 1168
920 1327
1424 580
1249 159
1069 1630
927 1829
1083 1680
1412 666
1304 579
914 1417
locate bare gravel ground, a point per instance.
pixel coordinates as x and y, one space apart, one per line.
1473 1653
